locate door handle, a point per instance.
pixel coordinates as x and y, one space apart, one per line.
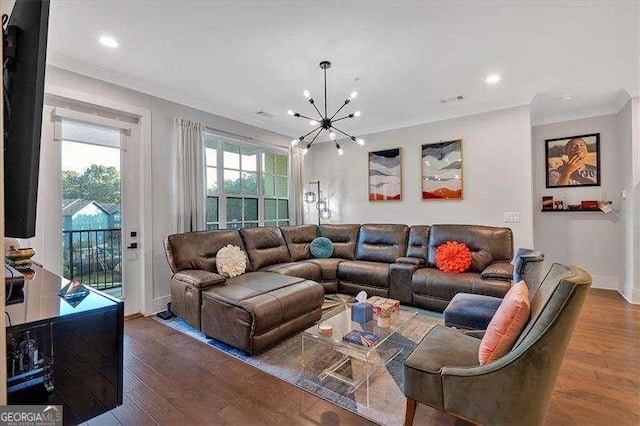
132 246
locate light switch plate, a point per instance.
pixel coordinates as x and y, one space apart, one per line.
511 217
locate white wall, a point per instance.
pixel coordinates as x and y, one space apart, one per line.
162 155
496 173
592 240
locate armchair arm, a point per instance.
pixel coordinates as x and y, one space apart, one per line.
411 261
498 271
199 278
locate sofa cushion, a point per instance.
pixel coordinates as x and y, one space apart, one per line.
197 250
298 239
382 243
374 274
328 267
442 285
321 248
306 270
343 237
497 241
442 346
265 246
418 242
506 325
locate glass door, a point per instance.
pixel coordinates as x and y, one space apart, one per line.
91 212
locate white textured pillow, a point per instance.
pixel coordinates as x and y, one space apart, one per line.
231 261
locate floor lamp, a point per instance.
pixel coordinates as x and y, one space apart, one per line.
321 202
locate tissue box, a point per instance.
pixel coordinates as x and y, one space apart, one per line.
383 307
361 312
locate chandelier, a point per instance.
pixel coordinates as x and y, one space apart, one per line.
324 122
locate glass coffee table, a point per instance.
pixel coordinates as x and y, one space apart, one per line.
356 363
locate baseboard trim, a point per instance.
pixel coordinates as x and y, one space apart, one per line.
631 295
605 282
159 304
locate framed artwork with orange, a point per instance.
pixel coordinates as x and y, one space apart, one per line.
385 175
442 170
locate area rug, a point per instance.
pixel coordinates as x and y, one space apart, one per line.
285 360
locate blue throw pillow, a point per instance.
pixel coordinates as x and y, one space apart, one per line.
321 247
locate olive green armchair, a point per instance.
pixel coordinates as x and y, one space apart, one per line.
444 372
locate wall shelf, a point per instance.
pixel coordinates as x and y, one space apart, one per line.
571 210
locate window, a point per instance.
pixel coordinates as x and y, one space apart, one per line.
247 186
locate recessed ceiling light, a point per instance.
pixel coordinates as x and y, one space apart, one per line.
493 78
109 42
566 98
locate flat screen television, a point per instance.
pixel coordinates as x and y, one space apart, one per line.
24 59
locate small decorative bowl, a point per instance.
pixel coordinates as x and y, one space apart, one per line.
574 206
19 258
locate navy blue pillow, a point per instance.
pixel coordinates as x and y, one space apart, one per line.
321 247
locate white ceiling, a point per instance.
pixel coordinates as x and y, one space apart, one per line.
237 58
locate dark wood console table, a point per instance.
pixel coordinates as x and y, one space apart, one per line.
64 352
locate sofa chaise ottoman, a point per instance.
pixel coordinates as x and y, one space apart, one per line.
257 309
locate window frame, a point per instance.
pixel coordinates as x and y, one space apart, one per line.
220 140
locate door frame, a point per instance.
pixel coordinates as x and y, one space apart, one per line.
145 205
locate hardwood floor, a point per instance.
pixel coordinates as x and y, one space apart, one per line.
170 378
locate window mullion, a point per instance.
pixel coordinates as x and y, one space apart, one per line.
222 196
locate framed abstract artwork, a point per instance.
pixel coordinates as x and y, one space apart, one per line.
385 175
573 161
442 170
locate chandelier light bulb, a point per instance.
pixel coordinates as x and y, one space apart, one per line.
313 123
306 94
325 213
353 95
305 150
332 135
294 142
360 142
290 112
340 151
357 114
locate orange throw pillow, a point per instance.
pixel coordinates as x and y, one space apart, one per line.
506 325
453 256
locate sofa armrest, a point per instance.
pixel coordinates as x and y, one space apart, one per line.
400 276
411 261
199 278
498 271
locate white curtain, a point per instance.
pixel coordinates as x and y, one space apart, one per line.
190 175
296 174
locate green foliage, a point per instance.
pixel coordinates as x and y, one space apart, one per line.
97 183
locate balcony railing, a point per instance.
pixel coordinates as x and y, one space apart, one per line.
93 257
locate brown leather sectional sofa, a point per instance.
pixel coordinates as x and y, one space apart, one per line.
283 288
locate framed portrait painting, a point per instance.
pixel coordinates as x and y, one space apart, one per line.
385 175
573 161
442 170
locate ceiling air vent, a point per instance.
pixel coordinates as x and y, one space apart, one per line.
453 99
264 114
